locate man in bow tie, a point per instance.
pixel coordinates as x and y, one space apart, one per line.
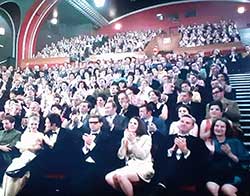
95 158
184 159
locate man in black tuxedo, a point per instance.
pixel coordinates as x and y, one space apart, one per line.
184 158
95 159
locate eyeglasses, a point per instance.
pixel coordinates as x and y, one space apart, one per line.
93 122
215 92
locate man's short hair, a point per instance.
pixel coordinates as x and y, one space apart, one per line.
9 118
55 119
189 116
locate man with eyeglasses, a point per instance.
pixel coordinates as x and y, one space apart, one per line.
94 159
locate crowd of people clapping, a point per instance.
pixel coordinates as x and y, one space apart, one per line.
138 109
81 47
208 33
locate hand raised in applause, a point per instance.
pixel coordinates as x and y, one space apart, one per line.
88 139
226 148
181 144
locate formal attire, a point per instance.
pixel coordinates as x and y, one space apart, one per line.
59 156
177 169
94 161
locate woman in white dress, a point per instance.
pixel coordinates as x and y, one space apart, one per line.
135 150
31 141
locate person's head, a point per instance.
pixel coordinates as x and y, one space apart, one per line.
123 99
8 122
114 89
136 125
84 107
76 100
34 107
110 108
56 109
95 122
186 96
185 86
154 96
221 127
57 99
218 93
186 123
214 83
145 111
101 100
33 123
122 84
52 122
193 77
215 109
168 87
182 110
223 78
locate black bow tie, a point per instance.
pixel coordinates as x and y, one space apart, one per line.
50 133
182 136
94 133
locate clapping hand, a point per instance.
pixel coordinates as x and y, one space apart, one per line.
181 144
88 138
226 148
129 136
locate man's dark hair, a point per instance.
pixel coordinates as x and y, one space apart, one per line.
55 119
9 118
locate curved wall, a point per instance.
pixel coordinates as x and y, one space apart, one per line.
205 11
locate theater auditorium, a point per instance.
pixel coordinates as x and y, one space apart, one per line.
124 97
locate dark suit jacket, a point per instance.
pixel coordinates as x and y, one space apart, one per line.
60 159
184 171
90 175
132 111
161 126
120 122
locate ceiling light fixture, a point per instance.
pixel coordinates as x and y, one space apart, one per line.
54 21
118 26
99 3
2 31
241 10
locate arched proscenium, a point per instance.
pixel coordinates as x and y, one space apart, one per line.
29 29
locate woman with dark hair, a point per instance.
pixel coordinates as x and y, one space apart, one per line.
174 128
135 149
161 109
215 110
227 155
